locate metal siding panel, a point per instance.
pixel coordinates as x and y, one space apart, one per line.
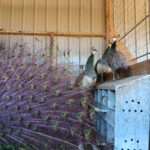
63 24
62 43
98 16
40 15
74 16
98 43
85 24
85 50
28 41
17 15
52 15
5 14
74 47
15 42
39 45
129 15
28 15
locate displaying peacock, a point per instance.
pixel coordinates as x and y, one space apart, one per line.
116 59
88 77
41 109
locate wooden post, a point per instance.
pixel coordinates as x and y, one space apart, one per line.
149 36
52 49
107 19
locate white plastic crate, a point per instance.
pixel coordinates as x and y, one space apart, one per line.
123 118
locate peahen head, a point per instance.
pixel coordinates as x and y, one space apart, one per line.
114 41
115 38
94 50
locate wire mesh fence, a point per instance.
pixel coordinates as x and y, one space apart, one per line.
131 19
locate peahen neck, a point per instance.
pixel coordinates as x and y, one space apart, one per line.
106 52
90 62
113 47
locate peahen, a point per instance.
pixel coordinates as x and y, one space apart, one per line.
40 109
88 77
101 65
116 59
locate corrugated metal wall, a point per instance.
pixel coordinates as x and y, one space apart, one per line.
54 16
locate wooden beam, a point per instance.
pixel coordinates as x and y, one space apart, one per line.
65 34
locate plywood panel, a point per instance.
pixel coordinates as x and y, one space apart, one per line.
74 15
40 15
51 15
98 15
85 22
28 15
63 15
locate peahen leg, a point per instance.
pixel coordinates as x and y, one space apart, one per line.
102 78
114 78
118 77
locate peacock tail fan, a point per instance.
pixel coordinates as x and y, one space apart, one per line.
40 108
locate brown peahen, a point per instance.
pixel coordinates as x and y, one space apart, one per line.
40 109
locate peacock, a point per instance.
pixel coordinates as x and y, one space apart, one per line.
88 77
116 59
101 65
41 109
